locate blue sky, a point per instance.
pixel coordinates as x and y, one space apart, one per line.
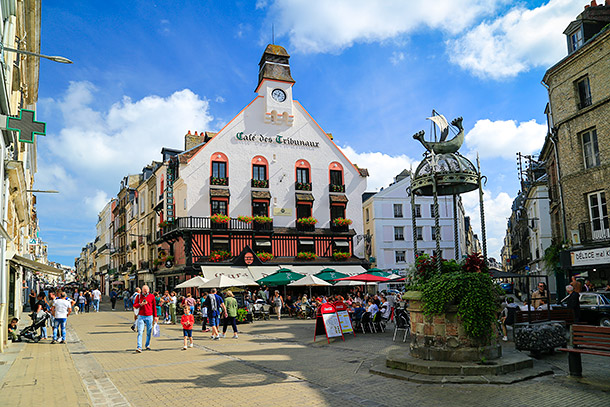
369 72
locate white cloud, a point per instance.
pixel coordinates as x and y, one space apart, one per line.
127 136
94 204
329 26
382 167
504 138
497 211
219 99
517 41
397 57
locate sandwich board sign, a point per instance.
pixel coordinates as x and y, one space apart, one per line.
344 319
328 323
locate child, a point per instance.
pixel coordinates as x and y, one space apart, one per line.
187 322
12 330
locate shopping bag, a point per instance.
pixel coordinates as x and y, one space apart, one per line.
156 330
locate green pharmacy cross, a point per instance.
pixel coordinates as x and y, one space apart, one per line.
26 126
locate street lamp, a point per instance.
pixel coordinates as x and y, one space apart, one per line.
62 60
39 191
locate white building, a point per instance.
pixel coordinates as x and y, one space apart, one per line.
388 222
540 236
103 243
273 160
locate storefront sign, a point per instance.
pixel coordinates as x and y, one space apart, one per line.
591 257
277 139
169 193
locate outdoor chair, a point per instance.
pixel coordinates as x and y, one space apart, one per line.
379 323
266 311
367 321
257 311
402 322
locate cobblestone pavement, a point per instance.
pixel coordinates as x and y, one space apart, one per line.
272 363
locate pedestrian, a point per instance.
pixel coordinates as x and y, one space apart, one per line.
187 322
166 303
40 308
113 298
87 301
216 308
204 313
577 285
231 315
126 302
190 302
97 298
539 295
573 302
52 298
132 300
82 302
159 302
61 310
278 303
147 315
33 299
172 307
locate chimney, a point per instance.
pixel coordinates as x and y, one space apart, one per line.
593 3
192 140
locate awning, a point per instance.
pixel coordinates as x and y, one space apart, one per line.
36 266
305 269
170 271
263 242
251 273
304 197
341 243
338 198
218 192
261 195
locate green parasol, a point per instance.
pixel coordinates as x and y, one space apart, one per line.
329 274
378 272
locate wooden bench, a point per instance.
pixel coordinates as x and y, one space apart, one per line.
590 340
558 314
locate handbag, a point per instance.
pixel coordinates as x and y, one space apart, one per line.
156 331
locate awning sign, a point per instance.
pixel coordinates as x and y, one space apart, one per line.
591 257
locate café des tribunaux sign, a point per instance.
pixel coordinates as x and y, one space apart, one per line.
591 257
277 139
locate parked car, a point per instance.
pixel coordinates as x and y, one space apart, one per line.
507 287
594 308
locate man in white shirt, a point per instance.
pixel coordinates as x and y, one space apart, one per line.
60 310
97 297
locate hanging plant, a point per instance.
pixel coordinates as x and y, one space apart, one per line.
220 218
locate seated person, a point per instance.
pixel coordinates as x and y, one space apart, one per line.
386 310
526 307
358 311
12 330
543 306
372 308
289 303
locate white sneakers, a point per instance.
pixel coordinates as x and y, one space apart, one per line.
190 345
221 335
505 338
234 336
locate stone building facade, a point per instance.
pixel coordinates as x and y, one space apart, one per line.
577 149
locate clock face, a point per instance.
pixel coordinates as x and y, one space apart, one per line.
278 95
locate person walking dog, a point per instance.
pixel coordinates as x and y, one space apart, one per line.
147 315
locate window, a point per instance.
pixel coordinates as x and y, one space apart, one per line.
399 233
142 198
584 93
260 208
400 256
336 177
590 149
398 210
337 211
303 211
418 211
259 172
433 233
303 175
152 199
598 212
185 204
576 40
219 207
219 169
366 212
432 211
420 233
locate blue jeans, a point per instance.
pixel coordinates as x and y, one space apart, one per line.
59 323
126 302
96 305
148 322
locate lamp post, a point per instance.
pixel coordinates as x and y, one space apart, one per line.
55 58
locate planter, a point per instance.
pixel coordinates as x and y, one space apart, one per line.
442 337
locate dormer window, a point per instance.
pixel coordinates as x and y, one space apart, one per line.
576 40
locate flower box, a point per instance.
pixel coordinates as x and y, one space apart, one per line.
303 186
307 221
264 257
306 256
220 218
341 256
245 219
219 255
219 181
260 183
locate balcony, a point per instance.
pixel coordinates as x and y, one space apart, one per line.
339 228
219 181
302 186
205 223
304 227
260 183
596 231
336 188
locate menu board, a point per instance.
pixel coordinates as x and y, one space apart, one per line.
327 322
344 319
333 327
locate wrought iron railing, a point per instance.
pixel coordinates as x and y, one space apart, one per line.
260 183
336 188
219 181
595 231
302 186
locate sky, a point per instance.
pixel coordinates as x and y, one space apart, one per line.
147 71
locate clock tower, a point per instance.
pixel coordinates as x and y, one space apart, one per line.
275 85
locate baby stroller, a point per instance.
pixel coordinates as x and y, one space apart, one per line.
39 320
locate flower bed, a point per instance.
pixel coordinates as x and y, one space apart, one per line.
219 255
341 256
306 256
264 257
